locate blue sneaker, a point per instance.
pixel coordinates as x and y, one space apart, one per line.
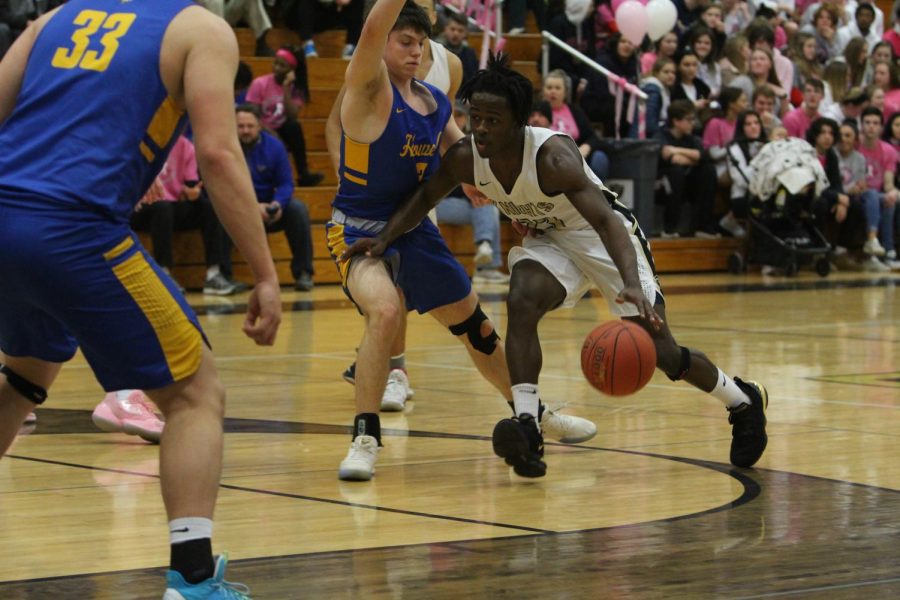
214 588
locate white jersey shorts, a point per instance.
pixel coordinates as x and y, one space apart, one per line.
579 261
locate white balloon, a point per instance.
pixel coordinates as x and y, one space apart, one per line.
661 18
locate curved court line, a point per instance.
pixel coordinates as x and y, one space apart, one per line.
751 488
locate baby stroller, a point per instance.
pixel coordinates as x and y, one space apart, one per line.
785 178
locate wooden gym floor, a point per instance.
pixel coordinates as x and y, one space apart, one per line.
650 508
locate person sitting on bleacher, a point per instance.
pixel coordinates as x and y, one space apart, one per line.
685 172
454 39
274 186
280 95
308 17
182 205
253 12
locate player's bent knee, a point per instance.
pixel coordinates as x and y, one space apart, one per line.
29 390
677 365
471 328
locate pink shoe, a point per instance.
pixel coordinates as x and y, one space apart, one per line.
128 411
31 419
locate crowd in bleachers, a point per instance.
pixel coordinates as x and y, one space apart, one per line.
731 77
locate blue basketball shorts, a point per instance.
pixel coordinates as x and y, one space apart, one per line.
72 279
420 262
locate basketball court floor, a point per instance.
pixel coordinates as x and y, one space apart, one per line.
650 508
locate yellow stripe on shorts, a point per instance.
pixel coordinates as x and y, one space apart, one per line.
337 245
179 339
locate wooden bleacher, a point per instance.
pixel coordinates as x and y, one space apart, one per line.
326 75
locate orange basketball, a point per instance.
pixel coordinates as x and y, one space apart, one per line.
618 358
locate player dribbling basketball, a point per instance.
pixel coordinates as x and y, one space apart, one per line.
584 238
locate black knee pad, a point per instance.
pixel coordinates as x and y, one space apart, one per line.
685 365
472 328
32 392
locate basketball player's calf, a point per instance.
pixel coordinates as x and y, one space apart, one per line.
746 401
519 440
19 395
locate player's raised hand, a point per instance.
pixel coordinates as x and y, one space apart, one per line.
368 246
263 313
635 295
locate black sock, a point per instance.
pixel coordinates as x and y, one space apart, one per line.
367 424
193 559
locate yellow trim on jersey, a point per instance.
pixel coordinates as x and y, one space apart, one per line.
165 121
147 152
337 245
119 249
179 339
356 156
355 179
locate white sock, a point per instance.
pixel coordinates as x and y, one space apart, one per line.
526 400
728 392
189 528
212 272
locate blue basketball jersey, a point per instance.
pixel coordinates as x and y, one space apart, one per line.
377 177
93 122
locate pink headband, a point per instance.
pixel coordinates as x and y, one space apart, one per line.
287 56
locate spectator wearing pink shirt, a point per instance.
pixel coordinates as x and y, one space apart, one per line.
797 121
182 206
887 77
719 131
881 166
570 119
892 36
280 95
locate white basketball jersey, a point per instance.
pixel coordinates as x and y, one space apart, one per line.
527 203
439 73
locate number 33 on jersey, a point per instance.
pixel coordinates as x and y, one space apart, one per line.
93 24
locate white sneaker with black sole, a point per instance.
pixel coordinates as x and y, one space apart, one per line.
359 465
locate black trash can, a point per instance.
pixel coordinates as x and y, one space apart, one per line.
632 164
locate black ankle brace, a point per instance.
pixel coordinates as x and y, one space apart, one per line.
367 424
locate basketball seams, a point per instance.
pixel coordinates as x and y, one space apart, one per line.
601 359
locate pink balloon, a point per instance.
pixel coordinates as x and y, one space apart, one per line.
617 3
631 17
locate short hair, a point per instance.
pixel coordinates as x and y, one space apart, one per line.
864 6
542 107
763 90
249 107
758 30
852 125
412 16
855 96
816 83
499 79
679 109
815 128
870 111
458 18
